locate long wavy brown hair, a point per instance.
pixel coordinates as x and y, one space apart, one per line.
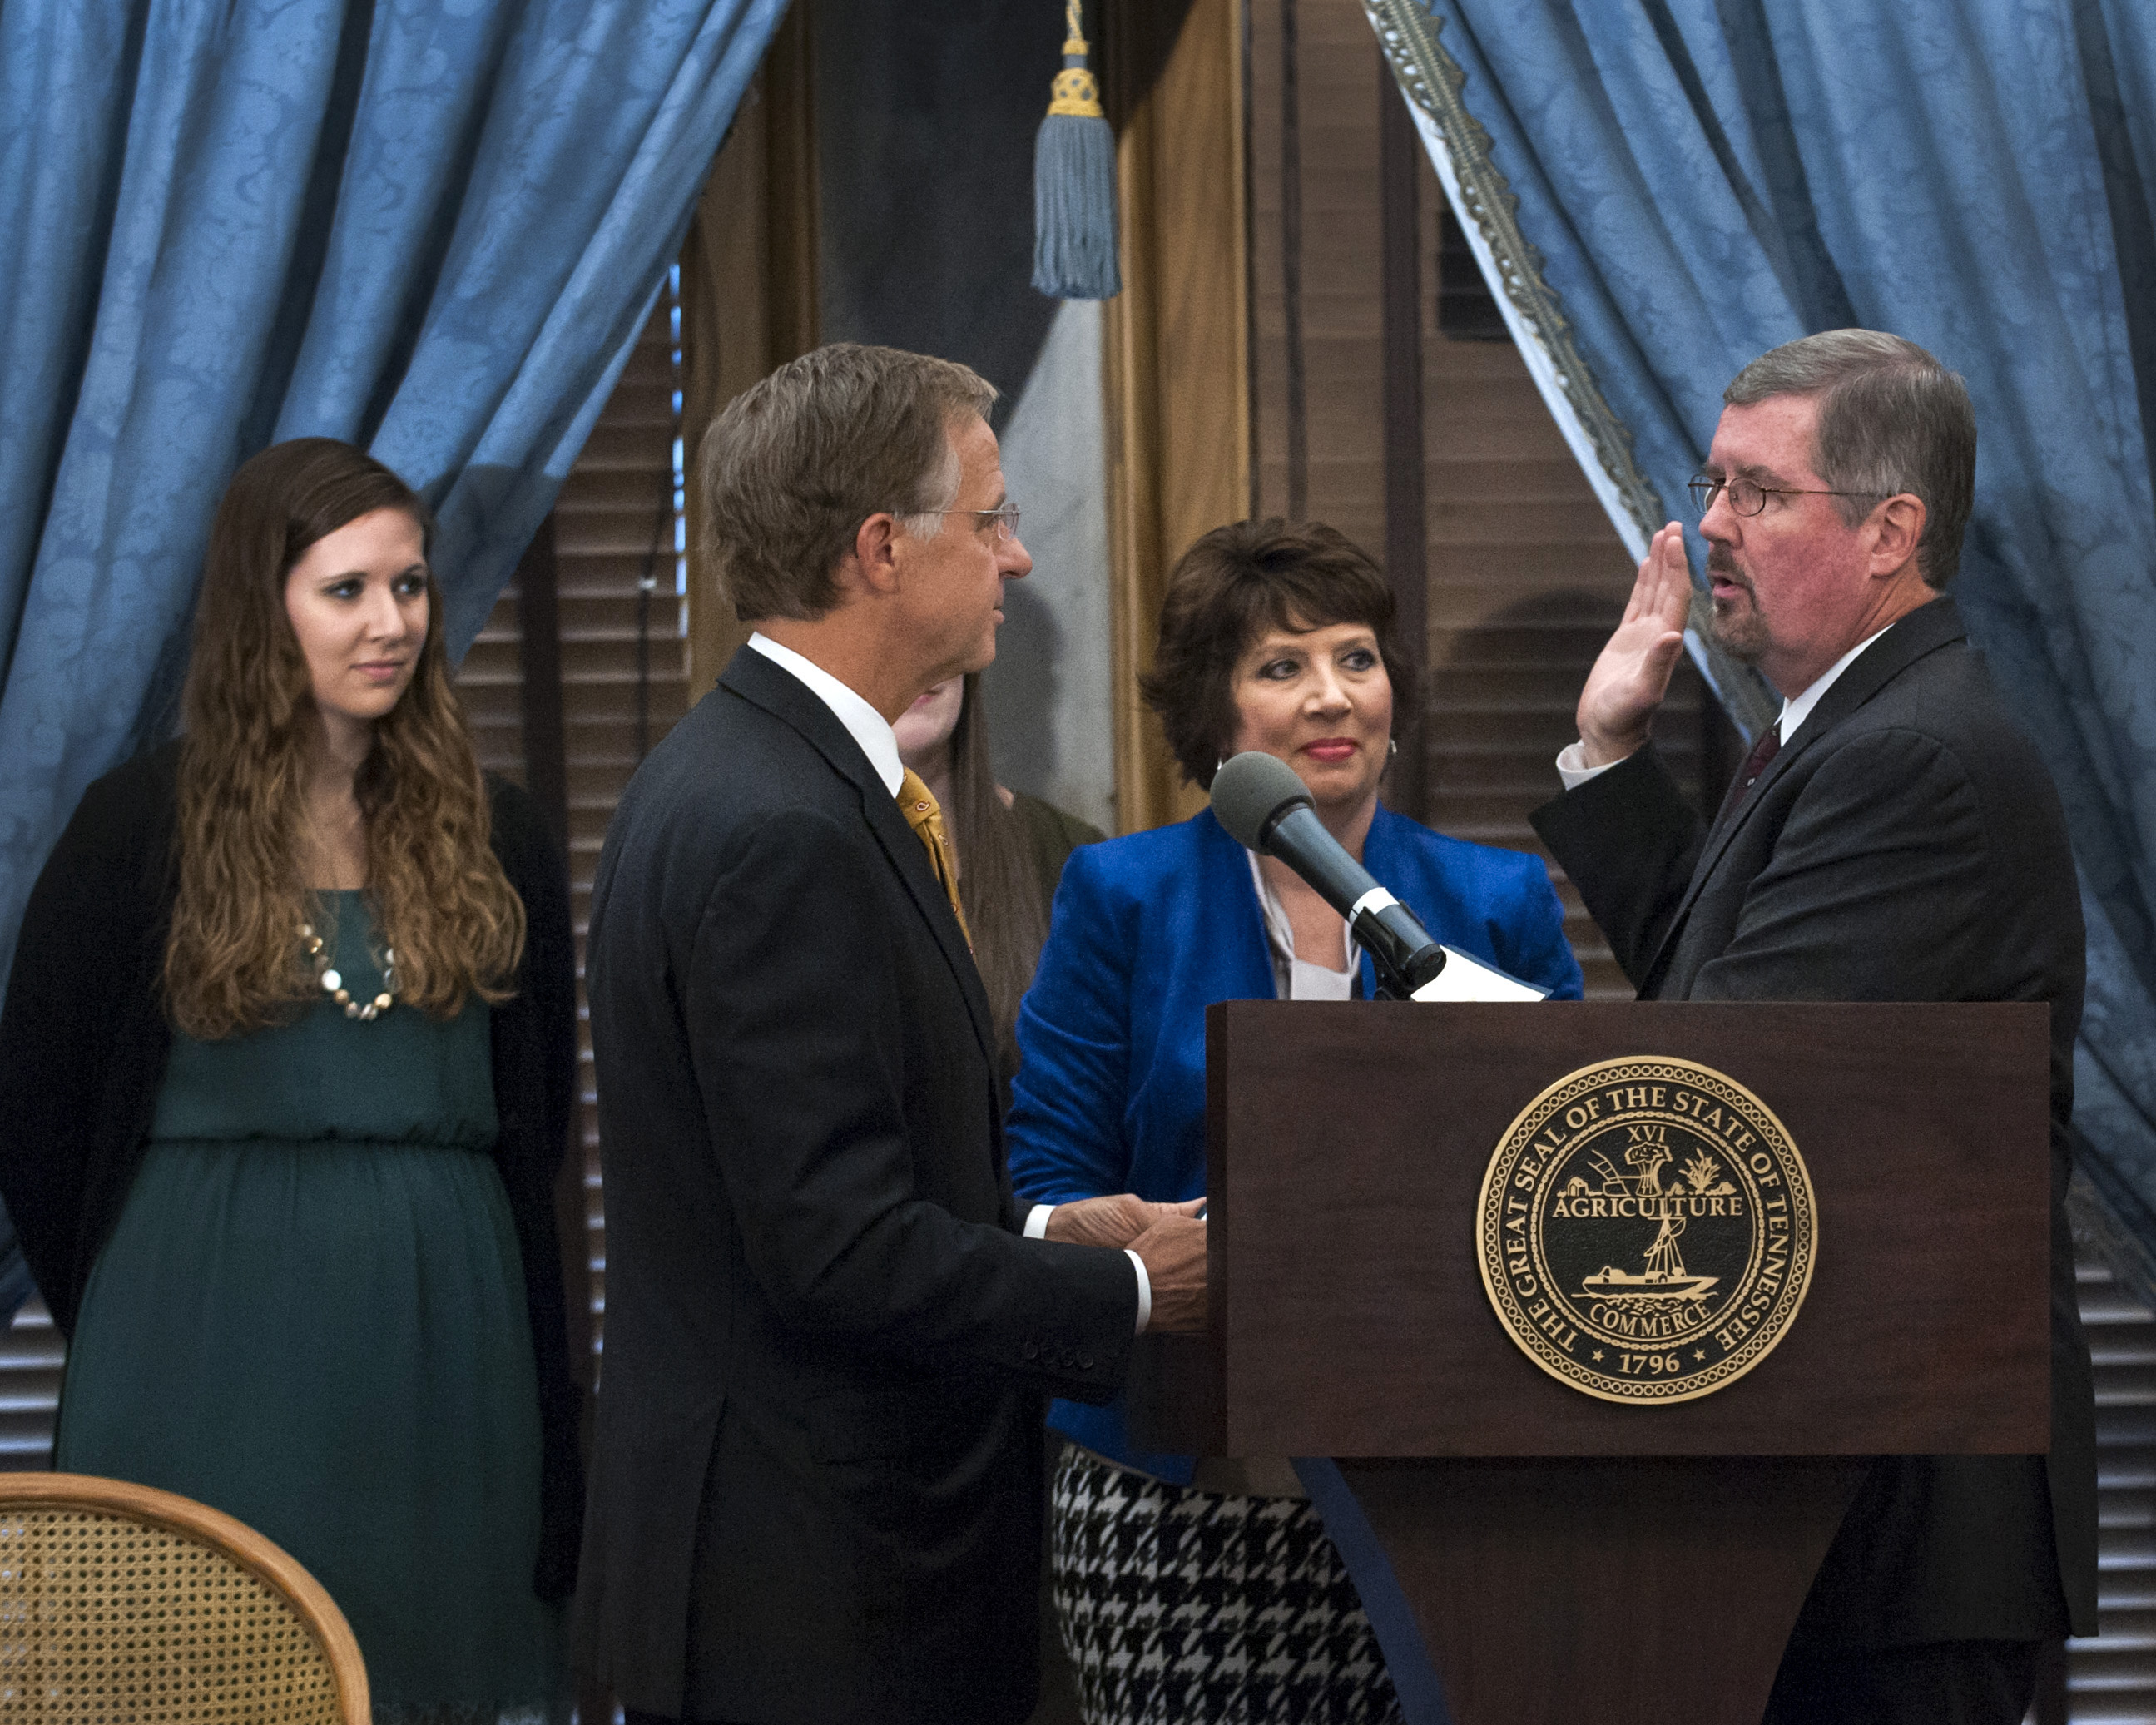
232 962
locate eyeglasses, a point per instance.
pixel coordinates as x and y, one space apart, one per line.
1749 497
1005 518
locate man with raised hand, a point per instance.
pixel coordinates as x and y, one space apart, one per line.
1892 837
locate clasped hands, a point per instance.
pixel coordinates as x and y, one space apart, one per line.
1168 1238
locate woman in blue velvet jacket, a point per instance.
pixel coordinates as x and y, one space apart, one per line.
1203 1592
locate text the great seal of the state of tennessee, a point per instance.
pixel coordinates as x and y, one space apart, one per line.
1646 1230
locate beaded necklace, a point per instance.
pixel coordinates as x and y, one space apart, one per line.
332 983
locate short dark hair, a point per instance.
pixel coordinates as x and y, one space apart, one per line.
1236 581
799 460
1892 419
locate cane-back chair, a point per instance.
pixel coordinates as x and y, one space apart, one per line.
122 1604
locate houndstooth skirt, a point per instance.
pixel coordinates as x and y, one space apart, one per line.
1183 1607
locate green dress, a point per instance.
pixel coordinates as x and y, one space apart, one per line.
310 1315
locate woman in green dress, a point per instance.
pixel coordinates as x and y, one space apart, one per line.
287 1068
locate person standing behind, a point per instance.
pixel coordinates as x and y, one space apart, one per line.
1008 848
815 1487
286 1070
1892 837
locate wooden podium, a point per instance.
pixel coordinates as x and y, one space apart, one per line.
1568 1558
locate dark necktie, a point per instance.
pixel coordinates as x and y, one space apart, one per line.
1768 745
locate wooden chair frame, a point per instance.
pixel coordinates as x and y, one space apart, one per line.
277 1568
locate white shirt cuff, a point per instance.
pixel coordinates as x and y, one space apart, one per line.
1145 1290
1573 769
1036 1228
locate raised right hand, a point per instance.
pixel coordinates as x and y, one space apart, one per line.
1174 1249
1632 673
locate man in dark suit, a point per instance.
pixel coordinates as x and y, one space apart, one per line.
1892 837
815 1496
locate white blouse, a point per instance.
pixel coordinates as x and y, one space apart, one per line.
1295 979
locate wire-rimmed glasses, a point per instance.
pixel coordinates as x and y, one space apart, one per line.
1749 496
1005 518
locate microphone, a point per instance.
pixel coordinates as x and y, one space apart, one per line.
1260 800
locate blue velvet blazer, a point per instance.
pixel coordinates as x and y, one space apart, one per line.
1150 930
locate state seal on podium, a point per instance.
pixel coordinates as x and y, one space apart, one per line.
1646 1230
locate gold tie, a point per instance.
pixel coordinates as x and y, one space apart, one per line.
924 815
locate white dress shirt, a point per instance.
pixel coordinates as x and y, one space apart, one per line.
869 729
866 725
1572 760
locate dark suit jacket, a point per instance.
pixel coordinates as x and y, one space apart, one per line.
1906 845
84 1042
815 1495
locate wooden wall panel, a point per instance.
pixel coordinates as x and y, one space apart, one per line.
1342 272
1176 341
1317 253
1267 32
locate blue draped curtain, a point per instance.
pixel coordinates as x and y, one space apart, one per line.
1704 179
432 229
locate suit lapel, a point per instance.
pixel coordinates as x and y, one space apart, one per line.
778 692
1930 627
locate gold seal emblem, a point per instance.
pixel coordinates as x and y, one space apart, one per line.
1646 1230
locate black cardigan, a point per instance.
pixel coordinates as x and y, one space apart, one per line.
84 1041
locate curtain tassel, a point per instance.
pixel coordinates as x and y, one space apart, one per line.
1074 184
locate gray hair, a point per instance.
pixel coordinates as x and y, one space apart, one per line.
797 461
1892 419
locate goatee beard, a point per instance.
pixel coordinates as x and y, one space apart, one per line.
1738 628
1740 633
